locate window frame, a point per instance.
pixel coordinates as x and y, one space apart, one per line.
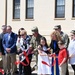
73 9
14 12
56 6
26 17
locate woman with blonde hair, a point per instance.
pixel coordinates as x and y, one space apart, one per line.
25 46
55 37
56 34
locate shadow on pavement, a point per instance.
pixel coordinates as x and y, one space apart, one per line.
34 74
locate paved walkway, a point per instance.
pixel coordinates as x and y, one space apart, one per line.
32 64
71 72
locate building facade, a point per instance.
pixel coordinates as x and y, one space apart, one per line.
44 14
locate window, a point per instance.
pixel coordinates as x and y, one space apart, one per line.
29 9
59 8
73 8
16 9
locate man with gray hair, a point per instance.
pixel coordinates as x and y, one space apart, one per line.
9 45
2 49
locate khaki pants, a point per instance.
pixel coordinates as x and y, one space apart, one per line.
1 64
4 63
63 69
36 55
11 58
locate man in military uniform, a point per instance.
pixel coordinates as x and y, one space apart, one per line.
35 41
64 37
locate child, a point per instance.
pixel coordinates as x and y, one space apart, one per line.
62 58
44 67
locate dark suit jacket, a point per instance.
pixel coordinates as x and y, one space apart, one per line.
1 46
55 48
11 43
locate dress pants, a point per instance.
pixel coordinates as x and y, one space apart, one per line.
27 69
11 58
4 63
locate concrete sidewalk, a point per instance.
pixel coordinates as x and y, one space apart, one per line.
32 64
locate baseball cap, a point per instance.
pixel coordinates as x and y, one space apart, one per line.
57 27
34 29
73 31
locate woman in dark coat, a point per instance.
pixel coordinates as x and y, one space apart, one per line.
55 37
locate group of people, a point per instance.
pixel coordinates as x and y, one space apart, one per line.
22 44
55 55
51 59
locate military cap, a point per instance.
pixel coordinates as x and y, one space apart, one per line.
73 31
57 27
35 29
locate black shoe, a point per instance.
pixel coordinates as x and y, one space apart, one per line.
4 73
16 72
0 73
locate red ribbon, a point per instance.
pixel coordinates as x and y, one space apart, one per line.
2 71
26 58
45 63
53 55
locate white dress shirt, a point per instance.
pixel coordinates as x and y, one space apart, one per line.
9 36
71 50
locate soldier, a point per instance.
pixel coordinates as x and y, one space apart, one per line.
65 38
35 41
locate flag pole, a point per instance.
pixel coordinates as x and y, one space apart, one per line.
55 66
55 63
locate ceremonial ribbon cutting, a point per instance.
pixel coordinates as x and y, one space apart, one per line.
25 57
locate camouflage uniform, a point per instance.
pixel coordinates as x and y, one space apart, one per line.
64 36
35 41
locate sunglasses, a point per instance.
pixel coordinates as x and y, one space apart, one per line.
22 34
